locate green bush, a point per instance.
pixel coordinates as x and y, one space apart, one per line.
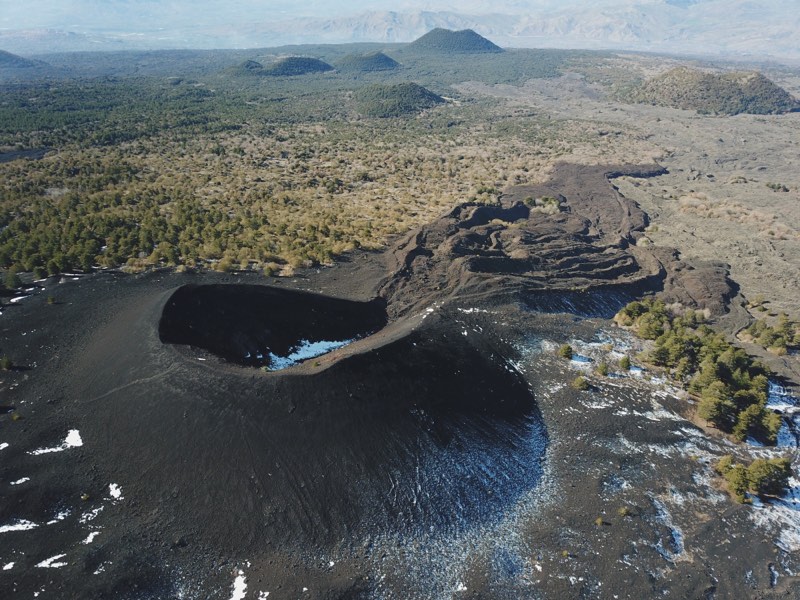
565 351
12 280
580 383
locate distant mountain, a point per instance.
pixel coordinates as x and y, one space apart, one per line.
12 61
465 41
726 93
17 68
295 65
395 100
731 27
366 63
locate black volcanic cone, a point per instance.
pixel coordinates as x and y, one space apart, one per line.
428 429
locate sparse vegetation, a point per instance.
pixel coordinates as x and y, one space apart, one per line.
777 187
565 351
625 363
5 363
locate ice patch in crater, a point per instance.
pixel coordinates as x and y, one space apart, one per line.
304 351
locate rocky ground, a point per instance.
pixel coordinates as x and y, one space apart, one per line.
444 456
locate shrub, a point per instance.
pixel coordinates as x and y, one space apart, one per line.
12 280
625 363
580 383
565 351
5 363
602 369
738 482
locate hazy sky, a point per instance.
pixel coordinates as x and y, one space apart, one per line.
740 27
152 14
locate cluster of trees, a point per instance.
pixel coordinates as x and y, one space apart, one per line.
731 386
783 336
765 477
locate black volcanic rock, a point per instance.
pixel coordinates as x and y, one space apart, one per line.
465 41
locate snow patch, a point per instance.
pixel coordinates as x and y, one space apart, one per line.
263 595
3 446
59 517
73 440
19 481
91 515
8 566
19 525
115 491
91 537
52 562
239 586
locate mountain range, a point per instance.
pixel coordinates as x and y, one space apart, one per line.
710 27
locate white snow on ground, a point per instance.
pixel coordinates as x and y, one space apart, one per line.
91 515
305 351
115 491
91 537
52 562
19 525
19 481
3 446
239 587
8 566
263 595
59 517
18 298
783 515
73 440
